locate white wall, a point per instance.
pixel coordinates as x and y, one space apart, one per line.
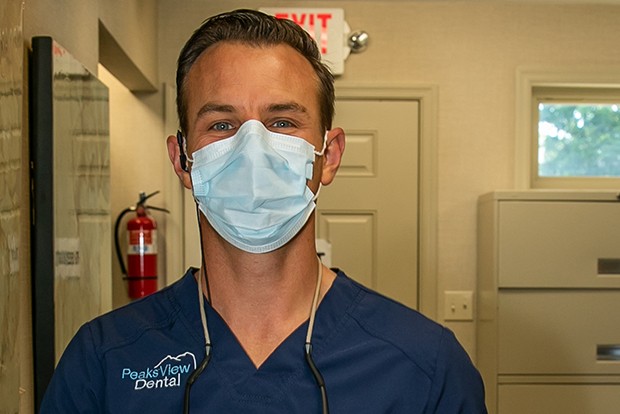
72 23
134 26
471 50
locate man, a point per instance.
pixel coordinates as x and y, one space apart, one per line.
256 143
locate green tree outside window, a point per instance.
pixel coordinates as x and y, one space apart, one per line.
579 140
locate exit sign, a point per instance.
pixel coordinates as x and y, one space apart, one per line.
326 26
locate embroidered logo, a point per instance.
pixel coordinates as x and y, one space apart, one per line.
166 373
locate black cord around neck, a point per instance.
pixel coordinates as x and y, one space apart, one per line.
194 376
318 377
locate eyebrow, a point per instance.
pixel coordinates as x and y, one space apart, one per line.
213 107
287 107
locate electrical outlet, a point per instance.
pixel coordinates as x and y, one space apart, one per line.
458 305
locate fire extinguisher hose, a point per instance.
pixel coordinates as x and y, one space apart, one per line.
117 245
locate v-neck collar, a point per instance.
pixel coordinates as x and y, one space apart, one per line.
285 369
233 357
228 351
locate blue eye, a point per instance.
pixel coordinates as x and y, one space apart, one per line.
222 126
282 124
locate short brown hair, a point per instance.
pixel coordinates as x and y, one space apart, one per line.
258 29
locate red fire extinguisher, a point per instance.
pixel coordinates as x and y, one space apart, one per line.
141 271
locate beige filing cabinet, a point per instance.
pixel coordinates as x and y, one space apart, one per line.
548 320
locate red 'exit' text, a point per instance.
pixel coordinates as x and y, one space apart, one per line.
310 22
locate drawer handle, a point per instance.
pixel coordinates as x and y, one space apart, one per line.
609 266
608 352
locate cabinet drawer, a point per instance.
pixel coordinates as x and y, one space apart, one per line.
559 244
559 332
559 398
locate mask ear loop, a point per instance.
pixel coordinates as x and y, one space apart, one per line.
187 156
183 155
320 154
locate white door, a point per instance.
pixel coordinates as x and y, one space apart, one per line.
369 213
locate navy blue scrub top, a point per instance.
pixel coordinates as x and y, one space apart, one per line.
376 356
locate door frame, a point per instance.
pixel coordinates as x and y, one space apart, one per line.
427 98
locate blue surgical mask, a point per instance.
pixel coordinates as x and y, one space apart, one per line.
252 188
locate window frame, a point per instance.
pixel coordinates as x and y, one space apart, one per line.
557 86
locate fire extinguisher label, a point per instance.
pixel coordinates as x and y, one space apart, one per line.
142 242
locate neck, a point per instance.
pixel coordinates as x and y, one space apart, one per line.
263 297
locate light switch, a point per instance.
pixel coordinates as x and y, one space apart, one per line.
458 305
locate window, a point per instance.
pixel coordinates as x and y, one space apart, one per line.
575 137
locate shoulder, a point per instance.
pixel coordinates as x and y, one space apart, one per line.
420 339
417 362
428 346
79 381
128 323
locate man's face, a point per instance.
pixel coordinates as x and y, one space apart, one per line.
231 83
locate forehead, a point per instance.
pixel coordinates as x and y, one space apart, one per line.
246 76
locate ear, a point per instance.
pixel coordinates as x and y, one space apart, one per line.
333 155
174 152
